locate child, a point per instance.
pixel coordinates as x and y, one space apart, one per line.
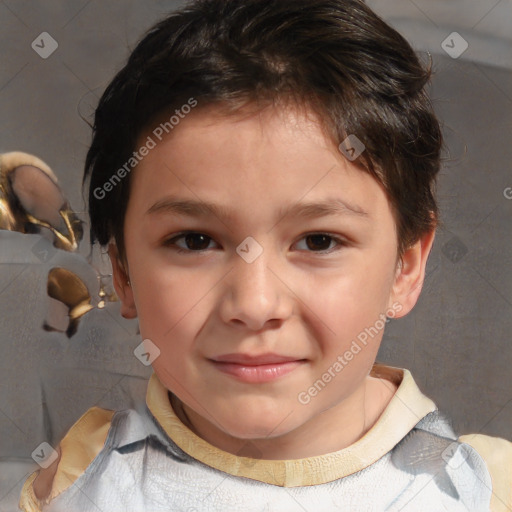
294 142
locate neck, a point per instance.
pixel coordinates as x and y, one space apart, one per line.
334 429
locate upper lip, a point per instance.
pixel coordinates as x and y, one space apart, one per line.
254 360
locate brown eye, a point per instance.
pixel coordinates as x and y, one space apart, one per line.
321 243
196 241
193 242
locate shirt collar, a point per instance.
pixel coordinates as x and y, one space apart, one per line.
407 407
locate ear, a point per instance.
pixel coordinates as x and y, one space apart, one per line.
121 283
410 274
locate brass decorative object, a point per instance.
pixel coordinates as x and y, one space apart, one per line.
31 200
66 287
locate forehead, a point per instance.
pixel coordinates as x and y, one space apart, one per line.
249 162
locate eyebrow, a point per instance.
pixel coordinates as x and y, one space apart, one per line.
305 210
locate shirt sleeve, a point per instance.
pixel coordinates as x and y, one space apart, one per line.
83 442
497 454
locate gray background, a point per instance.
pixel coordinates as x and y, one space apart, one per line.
456 342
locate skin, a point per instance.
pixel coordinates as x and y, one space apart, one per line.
291 300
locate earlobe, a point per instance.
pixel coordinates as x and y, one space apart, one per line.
410 273
122 283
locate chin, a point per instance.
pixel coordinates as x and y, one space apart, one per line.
257 423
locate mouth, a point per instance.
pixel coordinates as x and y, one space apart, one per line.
258 368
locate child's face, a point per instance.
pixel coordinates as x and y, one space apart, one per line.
291 301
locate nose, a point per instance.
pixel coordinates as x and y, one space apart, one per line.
255 294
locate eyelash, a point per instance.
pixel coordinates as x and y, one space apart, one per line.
171 242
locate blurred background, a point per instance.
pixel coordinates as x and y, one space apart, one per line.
56 59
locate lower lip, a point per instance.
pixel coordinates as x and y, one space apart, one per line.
258 373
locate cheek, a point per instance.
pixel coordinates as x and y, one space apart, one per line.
357 293
169 315
172 306
165 306
350 312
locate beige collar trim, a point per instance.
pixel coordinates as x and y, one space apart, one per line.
406 408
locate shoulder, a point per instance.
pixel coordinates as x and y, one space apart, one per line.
497 454
82 443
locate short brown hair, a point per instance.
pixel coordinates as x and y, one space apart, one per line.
336 57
